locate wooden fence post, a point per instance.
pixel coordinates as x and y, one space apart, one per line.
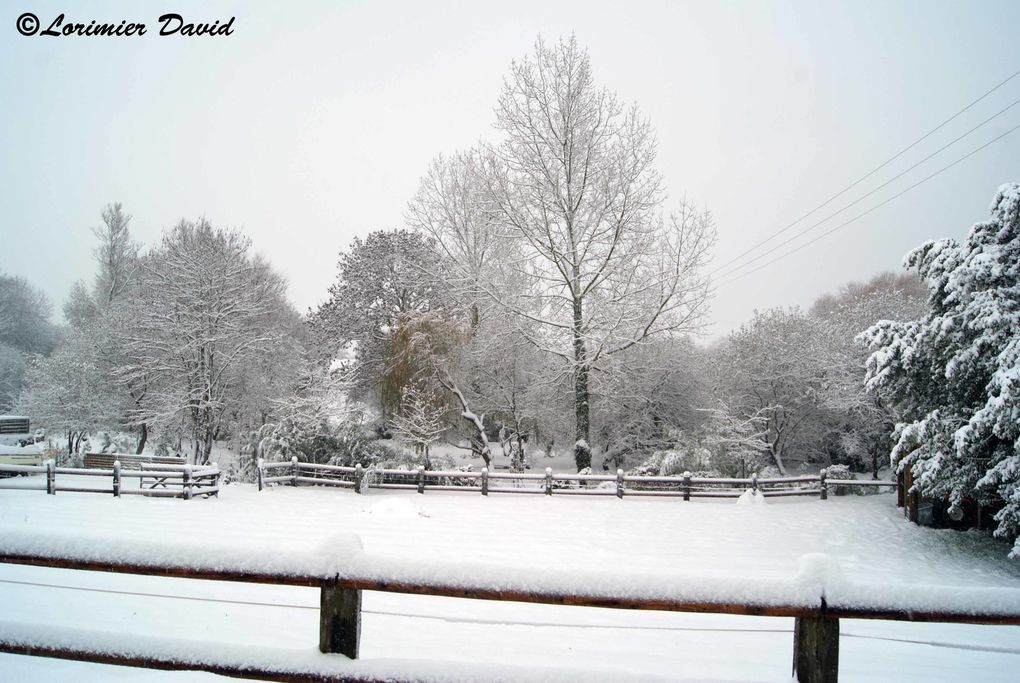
687 485
51 477
359 475
754 482
295 470
339 620
823 488
116 478
548 481
219 479
485 481
619 483
421 479
816 649
187 482
258 471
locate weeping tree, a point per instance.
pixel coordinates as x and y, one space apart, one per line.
383 281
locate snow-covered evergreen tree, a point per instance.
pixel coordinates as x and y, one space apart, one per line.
955 372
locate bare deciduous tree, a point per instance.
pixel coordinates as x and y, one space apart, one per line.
209 309
421 420
453 207
117 254
575 190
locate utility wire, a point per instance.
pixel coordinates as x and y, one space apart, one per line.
865 213
865 196
870 173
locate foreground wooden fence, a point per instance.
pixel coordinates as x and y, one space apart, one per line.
816 614
154 479
358 478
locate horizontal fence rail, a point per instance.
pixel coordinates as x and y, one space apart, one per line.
358 478
817 597
158 480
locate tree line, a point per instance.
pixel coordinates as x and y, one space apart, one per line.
543 296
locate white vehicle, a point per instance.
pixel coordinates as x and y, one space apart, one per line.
17 442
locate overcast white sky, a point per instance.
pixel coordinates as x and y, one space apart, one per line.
313 122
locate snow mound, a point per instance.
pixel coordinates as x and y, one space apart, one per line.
750 497
395 508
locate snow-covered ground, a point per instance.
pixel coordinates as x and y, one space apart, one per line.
865 535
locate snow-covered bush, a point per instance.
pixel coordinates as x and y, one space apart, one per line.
113 442
954 374
836 473
706 474
351 445
673 463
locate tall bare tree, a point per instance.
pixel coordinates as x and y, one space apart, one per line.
453 207
116 254
574 188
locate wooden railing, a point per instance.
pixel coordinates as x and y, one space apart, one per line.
104 461
358 478
154 479
813 598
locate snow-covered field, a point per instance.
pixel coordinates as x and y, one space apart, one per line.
866 535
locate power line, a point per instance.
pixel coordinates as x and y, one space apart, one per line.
868 194
865 213
869 173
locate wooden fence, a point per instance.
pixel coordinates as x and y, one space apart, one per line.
154 479
815 641
104 461
358 478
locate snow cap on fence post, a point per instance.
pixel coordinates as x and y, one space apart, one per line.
754 481
485 481
116 478
548 481
822 486
294 469
51 477
818 576
687 485
358 476
619 483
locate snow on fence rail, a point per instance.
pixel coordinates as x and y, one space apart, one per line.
818 596
295 473
154 479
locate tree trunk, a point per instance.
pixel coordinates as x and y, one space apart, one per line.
207 444
479 441
581 370
142 438
777 457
